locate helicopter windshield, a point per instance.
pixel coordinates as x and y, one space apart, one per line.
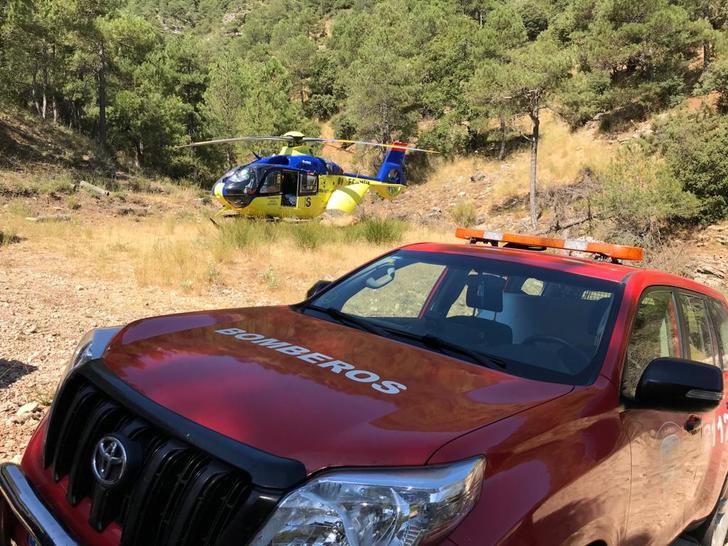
242 180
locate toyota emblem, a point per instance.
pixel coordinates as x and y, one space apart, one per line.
110 461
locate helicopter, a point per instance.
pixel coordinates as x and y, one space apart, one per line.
296 183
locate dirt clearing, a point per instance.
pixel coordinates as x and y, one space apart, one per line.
58 280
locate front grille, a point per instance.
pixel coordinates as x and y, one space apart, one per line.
175 494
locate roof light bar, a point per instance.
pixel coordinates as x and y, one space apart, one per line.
615 252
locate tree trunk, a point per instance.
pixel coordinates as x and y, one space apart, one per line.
34 92
534 114
138 153
101 79
54 105
707 53
502 152
44 115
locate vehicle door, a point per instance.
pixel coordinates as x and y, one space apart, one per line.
268 202
706 341
308 186
289 189
659 441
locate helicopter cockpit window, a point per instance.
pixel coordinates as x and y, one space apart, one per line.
271 183
308 184
241 180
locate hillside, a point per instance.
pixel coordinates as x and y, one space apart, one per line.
71 259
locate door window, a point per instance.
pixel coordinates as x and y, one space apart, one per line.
720 319
654 335
272 183
289 188
700 345
309 184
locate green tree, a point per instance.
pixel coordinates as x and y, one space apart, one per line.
252 99
523 82
694 147
645 49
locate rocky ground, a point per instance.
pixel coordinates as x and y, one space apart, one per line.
45 307
711 264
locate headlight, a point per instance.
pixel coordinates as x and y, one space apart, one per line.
92 345
397 507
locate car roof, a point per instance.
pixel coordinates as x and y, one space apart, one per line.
608 271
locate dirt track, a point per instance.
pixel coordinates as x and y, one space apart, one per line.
45 307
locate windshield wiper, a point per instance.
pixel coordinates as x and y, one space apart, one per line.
353 320
428 340
443 345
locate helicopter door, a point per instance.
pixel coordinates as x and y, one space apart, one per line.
307 188
289 189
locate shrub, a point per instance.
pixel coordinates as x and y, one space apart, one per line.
641 196
694 147
7 236
242 233
309 236
464 214
378 231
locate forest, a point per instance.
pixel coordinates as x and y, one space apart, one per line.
141 77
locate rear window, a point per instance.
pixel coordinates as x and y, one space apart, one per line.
542 324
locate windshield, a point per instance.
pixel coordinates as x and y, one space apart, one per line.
241 180
532 322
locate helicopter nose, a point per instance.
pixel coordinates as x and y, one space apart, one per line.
232 194
217 189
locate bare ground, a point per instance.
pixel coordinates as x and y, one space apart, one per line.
45 307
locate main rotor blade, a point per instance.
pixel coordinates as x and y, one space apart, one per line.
368 143
236 139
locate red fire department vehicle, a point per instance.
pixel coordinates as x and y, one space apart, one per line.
473 394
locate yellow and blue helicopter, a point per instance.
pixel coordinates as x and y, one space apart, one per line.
295 183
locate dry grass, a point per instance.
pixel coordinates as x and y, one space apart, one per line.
190 255
562 155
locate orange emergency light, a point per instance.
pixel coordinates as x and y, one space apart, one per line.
615 252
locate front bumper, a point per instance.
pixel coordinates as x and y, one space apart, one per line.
18 502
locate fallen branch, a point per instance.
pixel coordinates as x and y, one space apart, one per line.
95 189
50 218
558 226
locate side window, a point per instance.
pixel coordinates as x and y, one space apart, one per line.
697 328
720 319
654 335
271 183
308 184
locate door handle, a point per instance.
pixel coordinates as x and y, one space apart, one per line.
693 424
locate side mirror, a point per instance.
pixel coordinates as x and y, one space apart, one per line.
681 385
316 288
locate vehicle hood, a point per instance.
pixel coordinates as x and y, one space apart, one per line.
396 405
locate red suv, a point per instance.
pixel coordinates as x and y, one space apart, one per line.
442 394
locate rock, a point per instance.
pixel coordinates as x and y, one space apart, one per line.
480 176
27 409
705 270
